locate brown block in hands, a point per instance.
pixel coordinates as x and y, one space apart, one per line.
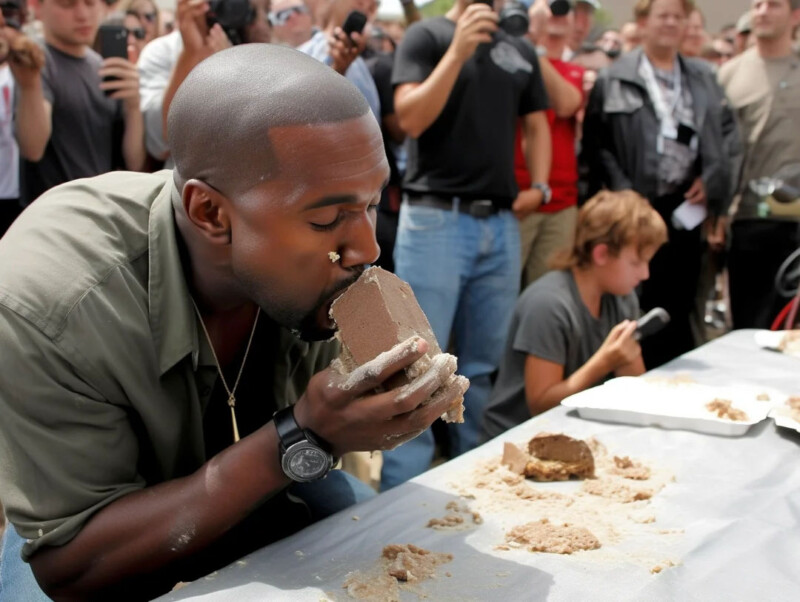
376 313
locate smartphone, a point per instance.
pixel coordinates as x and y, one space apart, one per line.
651 323
113 42
354 22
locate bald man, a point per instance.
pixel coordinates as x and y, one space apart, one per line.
145 324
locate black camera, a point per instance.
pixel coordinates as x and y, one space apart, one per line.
232 15
559 8
12 13
514 19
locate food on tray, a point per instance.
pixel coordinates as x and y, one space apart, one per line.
790 343
794 407
614 490
550 457
723 408
376 313
544 536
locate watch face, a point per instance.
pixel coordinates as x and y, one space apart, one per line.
306 462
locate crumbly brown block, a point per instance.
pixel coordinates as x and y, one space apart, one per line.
556 454
376 313
514 458
723 409
412 563
544 536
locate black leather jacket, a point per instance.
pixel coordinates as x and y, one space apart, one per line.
621 128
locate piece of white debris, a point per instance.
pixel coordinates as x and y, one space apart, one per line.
334 256
41 533
299 554
356 518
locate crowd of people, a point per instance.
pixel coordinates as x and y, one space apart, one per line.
539 186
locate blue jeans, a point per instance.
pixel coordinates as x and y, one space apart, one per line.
465 273
339 490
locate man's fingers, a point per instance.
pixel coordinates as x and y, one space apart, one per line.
409 396
370 375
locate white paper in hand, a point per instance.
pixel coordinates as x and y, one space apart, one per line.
689 216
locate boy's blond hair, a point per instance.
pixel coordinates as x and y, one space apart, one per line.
615 219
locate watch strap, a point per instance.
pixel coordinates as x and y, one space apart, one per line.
289 432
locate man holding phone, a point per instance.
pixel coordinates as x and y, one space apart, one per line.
65 112
340 43
461 83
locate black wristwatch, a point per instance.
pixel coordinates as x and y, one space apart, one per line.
547 193
304 456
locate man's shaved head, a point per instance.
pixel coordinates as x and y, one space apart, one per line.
220 120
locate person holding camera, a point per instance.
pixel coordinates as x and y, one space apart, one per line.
575 327
203 29
341 42
461 84
167 400
70 100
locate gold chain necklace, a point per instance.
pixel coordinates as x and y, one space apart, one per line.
230 392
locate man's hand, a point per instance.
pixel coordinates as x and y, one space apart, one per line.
620 348
696 195
538 14
345 410
475 26
527 202
126 85
344 49
198 39
25 57
716 232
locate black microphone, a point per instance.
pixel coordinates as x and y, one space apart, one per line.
651 323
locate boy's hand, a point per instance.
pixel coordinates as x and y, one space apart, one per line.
620 348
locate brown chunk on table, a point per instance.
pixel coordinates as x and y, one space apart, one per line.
557 457
376 313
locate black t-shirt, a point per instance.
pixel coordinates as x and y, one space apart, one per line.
380 67
468 150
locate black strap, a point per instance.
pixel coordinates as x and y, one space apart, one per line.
289 432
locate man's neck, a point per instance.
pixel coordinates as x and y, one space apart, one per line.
660 57
555 46
76 50
589 288
774 49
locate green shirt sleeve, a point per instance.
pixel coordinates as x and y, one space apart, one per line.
65 451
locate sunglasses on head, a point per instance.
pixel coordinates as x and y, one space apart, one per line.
282 16
149 17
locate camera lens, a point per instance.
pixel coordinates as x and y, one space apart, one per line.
559 8
514 19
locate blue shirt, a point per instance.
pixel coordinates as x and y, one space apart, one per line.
357 72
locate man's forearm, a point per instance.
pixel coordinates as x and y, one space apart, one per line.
133 150
146 533
565 99
33 122
417 109
538 148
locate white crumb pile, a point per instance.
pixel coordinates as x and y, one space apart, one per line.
606 519
400 564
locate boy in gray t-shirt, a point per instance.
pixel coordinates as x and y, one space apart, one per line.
574 327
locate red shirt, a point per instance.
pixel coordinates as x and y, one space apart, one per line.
564 173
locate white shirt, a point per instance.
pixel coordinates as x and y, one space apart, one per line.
155 68
9 151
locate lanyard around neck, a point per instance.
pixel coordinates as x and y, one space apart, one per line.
665 113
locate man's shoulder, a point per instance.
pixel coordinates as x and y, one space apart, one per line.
736 66
71 239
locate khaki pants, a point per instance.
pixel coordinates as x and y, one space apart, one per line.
541 235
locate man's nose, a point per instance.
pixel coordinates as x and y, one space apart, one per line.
361 246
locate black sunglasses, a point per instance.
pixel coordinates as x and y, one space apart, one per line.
138 32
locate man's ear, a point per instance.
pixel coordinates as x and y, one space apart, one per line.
600 254
208 210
